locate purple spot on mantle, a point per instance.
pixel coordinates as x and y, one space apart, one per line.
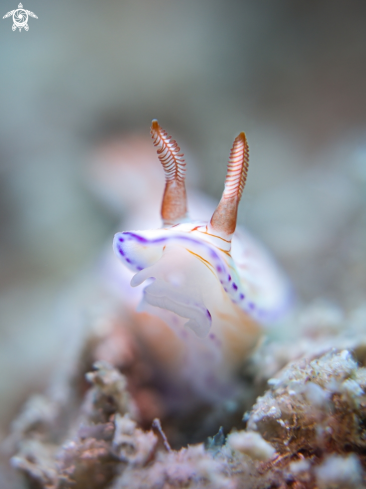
219 269
235 287
251 305
242 296
139 268
121 251
212 336
208 314
229 278
128 260
121 240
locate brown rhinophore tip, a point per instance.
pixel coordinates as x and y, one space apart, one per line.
223 219
174 205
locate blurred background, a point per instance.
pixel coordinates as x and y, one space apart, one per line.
292 75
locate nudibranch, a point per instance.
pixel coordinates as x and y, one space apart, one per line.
213 284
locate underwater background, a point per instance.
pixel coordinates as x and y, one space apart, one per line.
292 75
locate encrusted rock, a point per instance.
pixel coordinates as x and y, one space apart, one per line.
88 456
252 444
132 445
306 432
316 409
338 472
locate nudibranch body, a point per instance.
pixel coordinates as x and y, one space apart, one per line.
212 285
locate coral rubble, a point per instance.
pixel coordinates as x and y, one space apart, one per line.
307 431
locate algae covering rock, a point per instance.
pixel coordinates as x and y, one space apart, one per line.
307 431
93 452
252 444
314 406
314 415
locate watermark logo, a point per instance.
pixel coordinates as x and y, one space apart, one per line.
20 18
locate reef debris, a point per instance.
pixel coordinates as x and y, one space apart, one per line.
307 431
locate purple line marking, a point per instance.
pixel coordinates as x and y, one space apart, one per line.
136 236
162 240
218 264
182 238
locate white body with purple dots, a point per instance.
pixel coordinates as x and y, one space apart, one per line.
213 285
